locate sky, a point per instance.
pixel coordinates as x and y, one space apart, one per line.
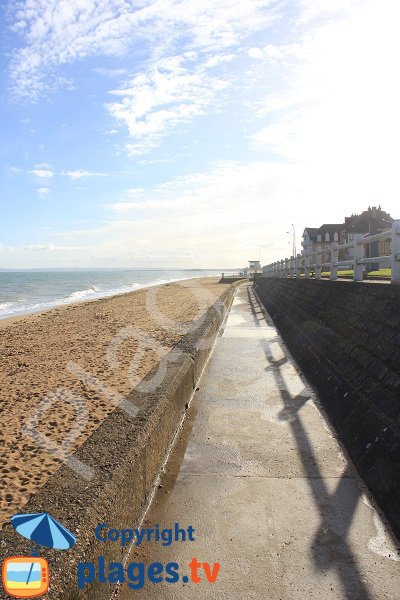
188 134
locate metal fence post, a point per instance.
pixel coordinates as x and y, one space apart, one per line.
318 258
395 258
358 256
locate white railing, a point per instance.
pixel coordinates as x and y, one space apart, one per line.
327 256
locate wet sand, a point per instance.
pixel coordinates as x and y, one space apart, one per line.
116 341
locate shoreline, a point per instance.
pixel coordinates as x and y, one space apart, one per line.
111 294
115 341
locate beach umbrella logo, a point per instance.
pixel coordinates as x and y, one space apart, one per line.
28 576
44 530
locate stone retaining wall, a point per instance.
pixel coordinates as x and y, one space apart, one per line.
346 338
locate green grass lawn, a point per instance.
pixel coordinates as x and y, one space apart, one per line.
386 273
381 273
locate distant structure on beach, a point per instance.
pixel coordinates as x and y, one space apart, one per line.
254 266
253 270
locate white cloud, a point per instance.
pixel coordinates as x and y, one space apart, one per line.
43 191
216 217
274 53
56 32
311 10
112 73
223 216
40 247
181 40
43 165
135 191
6 248
52 248
43 171
214 61
145 205
173 91
153 161
255 53
336 104
220 217
81 173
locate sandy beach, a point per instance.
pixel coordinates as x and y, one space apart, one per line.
102 337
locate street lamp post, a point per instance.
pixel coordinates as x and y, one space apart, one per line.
293 240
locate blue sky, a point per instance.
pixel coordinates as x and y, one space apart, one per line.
191 134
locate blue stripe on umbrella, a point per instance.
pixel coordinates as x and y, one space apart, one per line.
19 519
64 532
59 541
42 534
28 526
42 529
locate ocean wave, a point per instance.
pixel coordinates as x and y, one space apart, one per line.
6 306
25 309
79 294
11 309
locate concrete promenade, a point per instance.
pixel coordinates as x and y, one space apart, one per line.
259 475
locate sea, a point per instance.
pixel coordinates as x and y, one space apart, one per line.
24 292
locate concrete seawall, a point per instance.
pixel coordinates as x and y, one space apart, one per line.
126 454
346 338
